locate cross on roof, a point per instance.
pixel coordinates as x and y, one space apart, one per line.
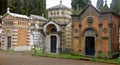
60 1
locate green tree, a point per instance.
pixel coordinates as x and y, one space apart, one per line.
27 7
16 6
115 6
79 4
100 4
3 6
38 7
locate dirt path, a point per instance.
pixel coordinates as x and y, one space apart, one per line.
16 59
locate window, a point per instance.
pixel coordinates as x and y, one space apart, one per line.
90 21
63 13
53 30
57 13
51 13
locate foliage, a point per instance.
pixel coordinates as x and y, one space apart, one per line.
77 57
15 6
27 7
100 4
3 6
115 6
79 4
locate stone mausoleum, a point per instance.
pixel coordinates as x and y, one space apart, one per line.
92 32
96 33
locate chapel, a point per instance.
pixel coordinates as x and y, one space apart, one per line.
96 32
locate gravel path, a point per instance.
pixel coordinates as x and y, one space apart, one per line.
16 59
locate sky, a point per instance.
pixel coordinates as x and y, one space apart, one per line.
51 3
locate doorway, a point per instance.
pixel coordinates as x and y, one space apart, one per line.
9 42
53 44
90 46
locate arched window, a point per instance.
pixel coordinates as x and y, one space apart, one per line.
57 13
51 13
90 20
63 13
53 30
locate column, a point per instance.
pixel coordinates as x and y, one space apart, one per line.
100 37
110 38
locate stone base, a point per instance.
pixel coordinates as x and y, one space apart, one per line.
107 55
21 48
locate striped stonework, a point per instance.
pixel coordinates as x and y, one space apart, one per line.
15 32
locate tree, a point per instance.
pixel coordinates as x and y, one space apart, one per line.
79 4
115 6
38 7
27 7
100 4
16 6
3 6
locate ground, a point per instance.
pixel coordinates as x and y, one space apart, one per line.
18 59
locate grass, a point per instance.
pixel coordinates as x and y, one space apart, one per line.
77 57
68 56
6 51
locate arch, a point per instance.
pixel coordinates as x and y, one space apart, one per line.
52 23
90 31
90 38
52 30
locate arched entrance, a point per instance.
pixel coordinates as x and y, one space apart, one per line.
90 46
90 42
52 38
53 44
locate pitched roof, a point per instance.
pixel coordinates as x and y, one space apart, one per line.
87 6
19 15
15 14
106 8
37 17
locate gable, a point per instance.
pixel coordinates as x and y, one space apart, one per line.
7 16
89 10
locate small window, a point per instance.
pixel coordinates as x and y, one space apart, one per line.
53 30
58 13
63 13
51 13
90 21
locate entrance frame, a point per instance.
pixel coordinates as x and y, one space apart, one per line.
89 33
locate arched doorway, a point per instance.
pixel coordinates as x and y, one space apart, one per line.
90 42
52 38
90 46
53 44
8 42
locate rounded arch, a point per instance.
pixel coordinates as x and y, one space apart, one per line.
53 25
51 28
90 31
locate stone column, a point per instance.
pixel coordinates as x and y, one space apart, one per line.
72 37
80 34
60 35
100 37
110 38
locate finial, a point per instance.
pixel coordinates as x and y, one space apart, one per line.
8 10
89 2
105 1
60 1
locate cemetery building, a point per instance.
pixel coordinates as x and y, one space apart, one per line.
92 32
15 31
96 33
57 31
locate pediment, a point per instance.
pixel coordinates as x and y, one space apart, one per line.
7 16
90 10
